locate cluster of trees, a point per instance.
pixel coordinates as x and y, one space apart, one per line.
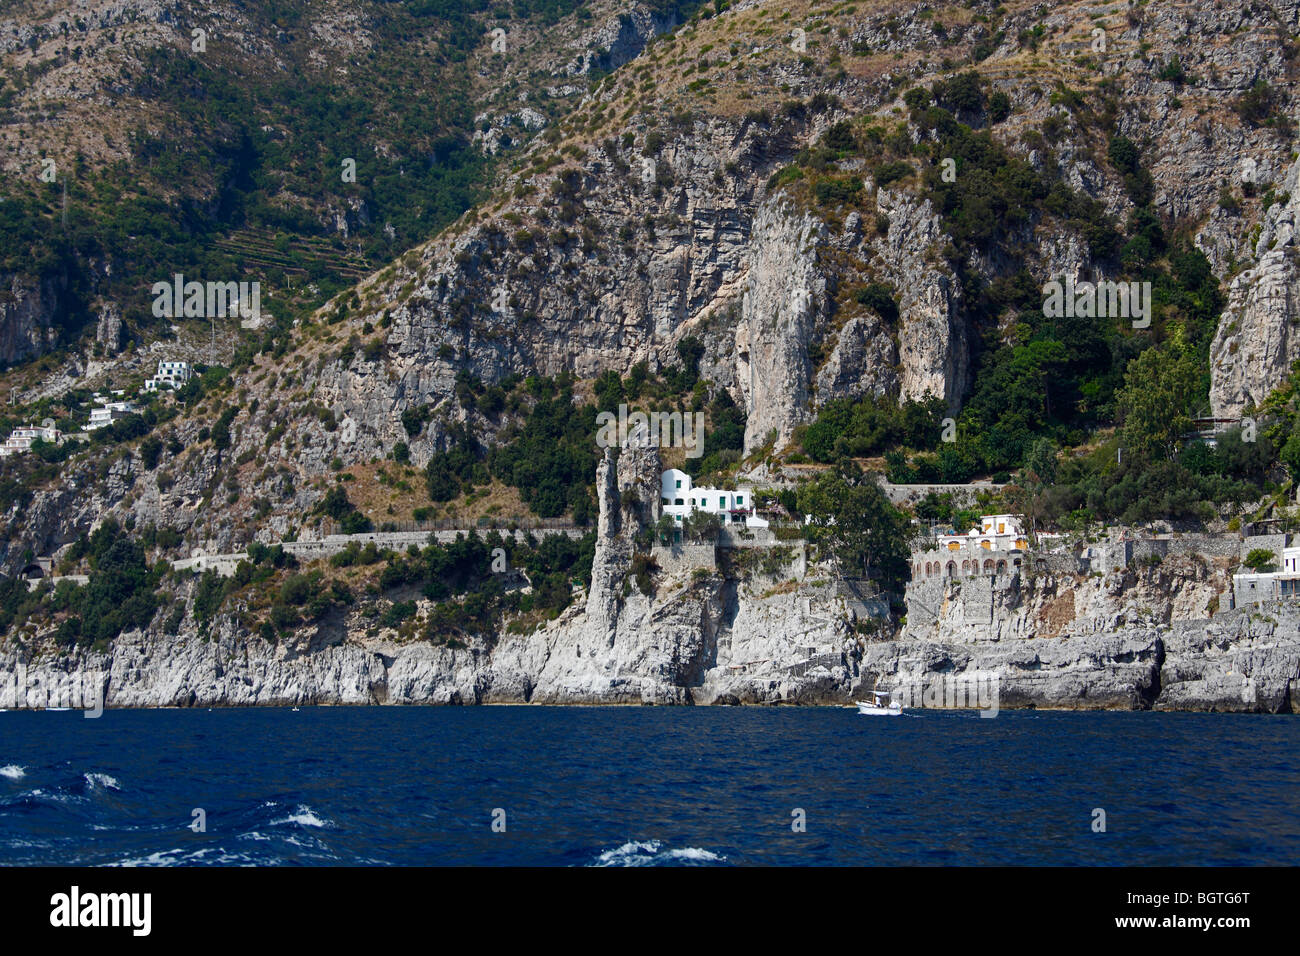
298 596
870 425
550 456
855 522
680 387
1134 489
17 603
944 509
724 440
121 593
466 579
338 506
548 450
457 469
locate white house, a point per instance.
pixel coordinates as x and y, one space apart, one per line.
995 533
108 413
171 374
1255 588
964 555
21 439
681 499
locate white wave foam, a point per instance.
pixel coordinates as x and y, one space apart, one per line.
303 816
652 853
12 772
58 796
101 780
181 857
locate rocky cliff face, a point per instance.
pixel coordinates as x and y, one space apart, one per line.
28 313
642 220
1258 339
978 610
783 293
1145 635
1240 662
933 350
694 639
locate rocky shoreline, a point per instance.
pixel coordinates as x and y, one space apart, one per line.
1126 641
1247 664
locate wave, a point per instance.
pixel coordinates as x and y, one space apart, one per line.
101 781
652 853
209 856
71 792
303 816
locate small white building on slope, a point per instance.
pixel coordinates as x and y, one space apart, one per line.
21 439
681 499
1258 587
109 412
174 375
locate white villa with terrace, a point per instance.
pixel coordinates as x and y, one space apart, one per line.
997 546
21 439
680 499
995 533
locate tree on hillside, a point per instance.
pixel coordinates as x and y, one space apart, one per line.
1152 405
854 520
1040 463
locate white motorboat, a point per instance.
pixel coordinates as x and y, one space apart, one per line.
881 704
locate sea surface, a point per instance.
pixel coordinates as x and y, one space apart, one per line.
626 786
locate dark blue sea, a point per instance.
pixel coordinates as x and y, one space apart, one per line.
593 786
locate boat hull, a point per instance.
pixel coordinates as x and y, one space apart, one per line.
871 710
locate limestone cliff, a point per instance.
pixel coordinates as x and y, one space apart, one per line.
1258 340
29 313
783 293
